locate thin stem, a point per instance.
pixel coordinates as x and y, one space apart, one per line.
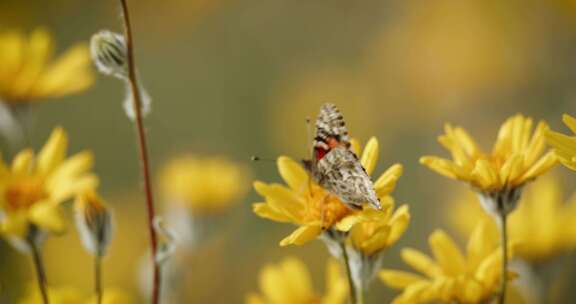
504 243
98 278
40 271
144 159
351 287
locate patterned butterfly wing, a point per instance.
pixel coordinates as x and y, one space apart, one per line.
341 173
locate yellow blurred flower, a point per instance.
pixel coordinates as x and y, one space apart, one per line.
70 295
542 226
289 282
28 72
309 206
564 145
451 276
33 188
380 230
515 159
205 185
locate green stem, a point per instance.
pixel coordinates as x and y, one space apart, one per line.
504 243
351 286
40 271
98 278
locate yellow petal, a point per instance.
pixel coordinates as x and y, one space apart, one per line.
398 224
297 279
447 253
272 285
336 290
485 176
71 168
479 245
302 235
399 279
570 122
65 189
47 216
53 152
71 73
38 52
282 199
540 167
564 147
15 224
355 146
387 181
293 174
370 155
266 211
441 166
420 262
22 163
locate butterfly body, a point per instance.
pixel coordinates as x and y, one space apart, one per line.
335 167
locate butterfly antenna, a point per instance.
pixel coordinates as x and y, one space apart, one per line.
256 158
310 152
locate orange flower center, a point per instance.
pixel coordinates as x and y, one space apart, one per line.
24 193
325 207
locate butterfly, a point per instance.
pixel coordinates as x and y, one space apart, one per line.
334 166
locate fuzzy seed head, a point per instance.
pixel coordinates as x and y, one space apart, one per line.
109 53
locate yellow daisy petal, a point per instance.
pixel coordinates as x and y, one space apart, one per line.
47 216
370 155
293 174
53 153
420 262
446 252
302 235
399 279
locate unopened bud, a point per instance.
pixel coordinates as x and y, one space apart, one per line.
166 241
94 223
109 53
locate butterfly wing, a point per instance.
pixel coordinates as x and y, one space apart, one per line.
330 128
341 173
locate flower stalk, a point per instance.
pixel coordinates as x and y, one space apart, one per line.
503 216
143 146
98 278
356 295
33 243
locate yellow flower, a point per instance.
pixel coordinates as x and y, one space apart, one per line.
32 189
379 230
451 277
309 206
29 73
70 295
564 145
515 159
542 226
289 282
205 185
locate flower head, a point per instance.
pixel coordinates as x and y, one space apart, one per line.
542 226
29 73
94 222
312 208
564 146
289 282
450 276
32 189
379 230
205 185
516 157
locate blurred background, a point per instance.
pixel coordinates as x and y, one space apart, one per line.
235 78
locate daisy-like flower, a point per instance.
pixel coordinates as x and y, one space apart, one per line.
516 158
289 282
29 73
542 226
311 207
450 276
71 295
564 145
32 189
202 184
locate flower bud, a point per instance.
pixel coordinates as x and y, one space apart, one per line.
109 53
94 223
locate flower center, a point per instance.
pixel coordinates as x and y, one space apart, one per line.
325 207
24 193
